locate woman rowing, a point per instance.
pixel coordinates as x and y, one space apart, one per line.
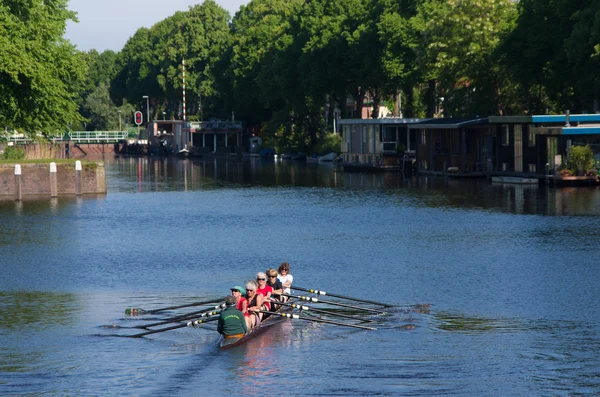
255 302
242 305
263 295
264 289
273 282
286 278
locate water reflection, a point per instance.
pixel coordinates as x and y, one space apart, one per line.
36 309
169 174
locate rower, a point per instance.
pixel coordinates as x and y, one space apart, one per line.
264 290
254 303
275 283
231 321
242 305
286 278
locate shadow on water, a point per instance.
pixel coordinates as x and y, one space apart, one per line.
37 310
168 174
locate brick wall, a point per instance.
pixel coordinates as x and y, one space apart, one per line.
35 179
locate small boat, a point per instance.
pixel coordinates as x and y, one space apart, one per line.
226 343
183 152
328 157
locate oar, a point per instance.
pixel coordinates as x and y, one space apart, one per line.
311 299
318 292
307 308
318 320
204 313
155 331
134 311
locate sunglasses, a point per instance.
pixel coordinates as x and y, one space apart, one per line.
261 279
273 276
249 290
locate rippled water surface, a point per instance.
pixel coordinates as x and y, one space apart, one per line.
511 273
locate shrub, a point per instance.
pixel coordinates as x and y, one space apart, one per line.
581 158
13 153
329 143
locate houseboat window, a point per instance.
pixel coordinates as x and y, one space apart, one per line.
423 138
531 137
505 136
504 166
532 168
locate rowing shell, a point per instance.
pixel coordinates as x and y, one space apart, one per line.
226 343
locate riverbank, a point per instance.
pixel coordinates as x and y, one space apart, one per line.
50 178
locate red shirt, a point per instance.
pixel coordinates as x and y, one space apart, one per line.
240 307
264 292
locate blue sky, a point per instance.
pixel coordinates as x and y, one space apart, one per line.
108 24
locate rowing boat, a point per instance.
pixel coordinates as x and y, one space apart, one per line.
235 340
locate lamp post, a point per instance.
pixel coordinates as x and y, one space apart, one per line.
164 113
120 129
147 109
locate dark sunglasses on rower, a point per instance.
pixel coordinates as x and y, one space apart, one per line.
261 279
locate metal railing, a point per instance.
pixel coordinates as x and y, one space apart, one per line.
76 137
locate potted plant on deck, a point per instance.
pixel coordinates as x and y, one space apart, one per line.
581 160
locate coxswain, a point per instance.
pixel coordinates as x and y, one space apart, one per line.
231 321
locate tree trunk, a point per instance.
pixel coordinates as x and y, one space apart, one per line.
430 99
376 99
359 97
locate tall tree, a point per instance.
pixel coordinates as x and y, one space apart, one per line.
40 70
551 53
459 42
150 62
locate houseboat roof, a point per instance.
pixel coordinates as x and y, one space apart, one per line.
547 118
449 123
587 130
387 120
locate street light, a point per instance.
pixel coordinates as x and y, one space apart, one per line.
147 109
120 129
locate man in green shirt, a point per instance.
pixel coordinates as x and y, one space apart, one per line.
231 320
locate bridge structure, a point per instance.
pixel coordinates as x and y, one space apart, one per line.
77 137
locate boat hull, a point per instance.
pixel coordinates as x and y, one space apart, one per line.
227 343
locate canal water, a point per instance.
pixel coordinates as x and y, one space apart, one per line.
510 273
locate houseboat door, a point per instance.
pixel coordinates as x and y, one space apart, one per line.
552 150
487 152
518 148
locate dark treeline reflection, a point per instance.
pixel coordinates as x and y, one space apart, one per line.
167 174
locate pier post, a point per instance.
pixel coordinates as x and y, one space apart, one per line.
53 181
78 178
18 192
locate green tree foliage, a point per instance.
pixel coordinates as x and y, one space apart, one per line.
459 40
40 71
150 62
553 53
400 36
581 158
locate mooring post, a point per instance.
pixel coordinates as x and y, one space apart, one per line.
18 193
78 178
53 181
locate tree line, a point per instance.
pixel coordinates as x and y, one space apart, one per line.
283 66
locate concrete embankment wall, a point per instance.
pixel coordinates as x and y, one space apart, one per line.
35 179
